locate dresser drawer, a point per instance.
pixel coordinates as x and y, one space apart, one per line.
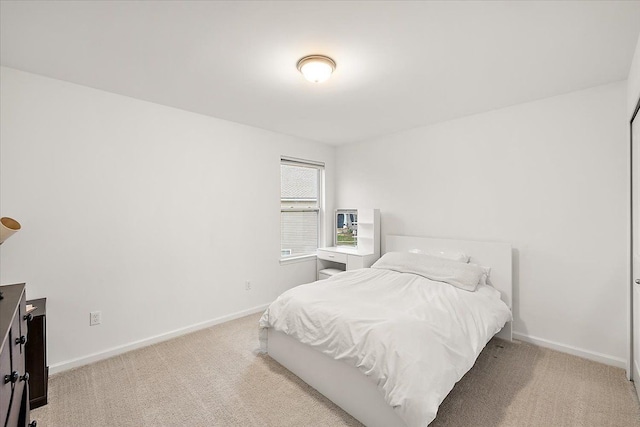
14 394
332 256
15 413
17 349
5 388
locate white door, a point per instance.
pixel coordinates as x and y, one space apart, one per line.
635 218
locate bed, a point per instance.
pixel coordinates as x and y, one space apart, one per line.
381 391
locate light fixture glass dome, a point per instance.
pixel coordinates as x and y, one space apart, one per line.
316 68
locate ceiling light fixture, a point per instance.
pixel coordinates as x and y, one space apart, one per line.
316 68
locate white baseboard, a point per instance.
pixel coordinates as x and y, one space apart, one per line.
114 351
580 352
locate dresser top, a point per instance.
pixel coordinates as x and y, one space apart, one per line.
347 250
8 305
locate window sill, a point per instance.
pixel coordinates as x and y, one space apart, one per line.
296 259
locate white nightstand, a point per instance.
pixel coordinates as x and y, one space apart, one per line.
334 259
347 258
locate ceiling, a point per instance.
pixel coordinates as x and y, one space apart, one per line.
399 64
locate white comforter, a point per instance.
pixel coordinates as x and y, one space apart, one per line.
415 338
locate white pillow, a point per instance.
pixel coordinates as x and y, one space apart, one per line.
454 256
486 271
458 274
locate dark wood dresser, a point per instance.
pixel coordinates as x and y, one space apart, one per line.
14 390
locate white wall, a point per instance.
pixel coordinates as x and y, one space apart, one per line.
633 82
548 176
153 215
157 216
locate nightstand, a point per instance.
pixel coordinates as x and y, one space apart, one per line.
361 248
340 258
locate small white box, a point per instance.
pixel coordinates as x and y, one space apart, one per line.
328 272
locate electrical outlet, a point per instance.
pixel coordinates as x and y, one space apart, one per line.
247 285
95 318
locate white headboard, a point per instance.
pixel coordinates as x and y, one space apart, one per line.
491 254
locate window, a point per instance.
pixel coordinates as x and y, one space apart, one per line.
346 228
300 207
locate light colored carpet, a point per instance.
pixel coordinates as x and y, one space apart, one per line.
215 377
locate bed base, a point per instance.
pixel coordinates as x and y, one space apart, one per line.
339 382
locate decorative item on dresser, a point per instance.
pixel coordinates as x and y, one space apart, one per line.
357 242
14 392
36 354
8 227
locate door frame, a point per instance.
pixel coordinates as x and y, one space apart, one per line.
630 365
